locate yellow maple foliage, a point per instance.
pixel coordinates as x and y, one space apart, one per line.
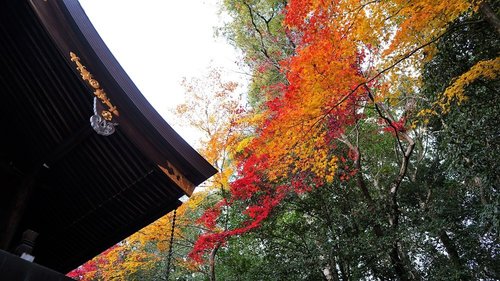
488 69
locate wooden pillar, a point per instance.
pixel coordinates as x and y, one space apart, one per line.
24 192
28 184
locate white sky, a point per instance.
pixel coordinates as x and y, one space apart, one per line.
158 42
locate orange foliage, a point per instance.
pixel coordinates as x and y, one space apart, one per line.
130 256
343 49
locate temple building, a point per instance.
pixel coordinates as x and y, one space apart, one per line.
85 160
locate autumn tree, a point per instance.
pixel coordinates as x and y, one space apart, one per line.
369 150
257 29
213 106
349 121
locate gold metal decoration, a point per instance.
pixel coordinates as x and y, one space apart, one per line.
98 92
177 177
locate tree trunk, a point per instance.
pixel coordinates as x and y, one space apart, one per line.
213 254
450 248
490 16
398 265
453 254
343 272
330 271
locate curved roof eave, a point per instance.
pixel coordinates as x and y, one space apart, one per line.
72 31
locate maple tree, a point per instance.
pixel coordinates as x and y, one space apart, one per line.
354 62
213 106
359 157
143 253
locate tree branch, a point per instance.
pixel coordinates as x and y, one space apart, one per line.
490 16
263 47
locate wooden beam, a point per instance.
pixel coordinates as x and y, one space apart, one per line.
67 146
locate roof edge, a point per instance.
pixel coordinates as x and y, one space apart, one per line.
71 30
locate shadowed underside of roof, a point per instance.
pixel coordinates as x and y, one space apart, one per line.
82 192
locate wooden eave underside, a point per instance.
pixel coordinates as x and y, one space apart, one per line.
89 191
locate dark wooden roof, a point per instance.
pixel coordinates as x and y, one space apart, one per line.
13 268
83 192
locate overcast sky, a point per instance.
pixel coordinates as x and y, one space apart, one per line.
158 42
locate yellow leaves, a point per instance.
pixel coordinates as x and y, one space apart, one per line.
242 144
163 246
399 34
421 20
489 69
455 92
323 164
130 256
424 115
293 147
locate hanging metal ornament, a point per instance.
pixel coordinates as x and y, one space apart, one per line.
101 120
99 123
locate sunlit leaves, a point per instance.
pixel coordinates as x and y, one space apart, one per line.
336 102
213 107
341 50
489 69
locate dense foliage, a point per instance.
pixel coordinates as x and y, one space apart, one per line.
368 149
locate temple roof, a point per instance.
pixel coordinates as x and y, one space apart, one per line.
80 190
